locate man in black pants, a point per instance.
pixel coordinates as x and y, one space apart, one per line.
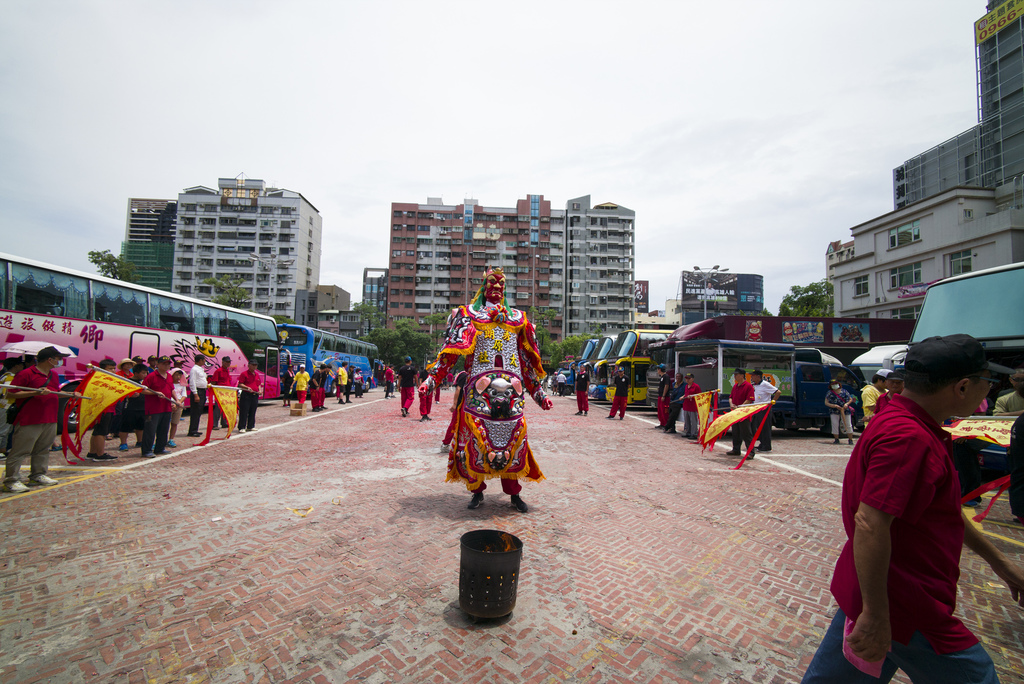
197 391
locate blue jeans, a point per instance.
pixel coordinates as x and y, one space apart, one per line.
921 663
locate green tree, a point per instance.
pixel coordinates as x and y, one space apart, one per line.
765 312
394 344
229 291
370 315
111 266
281 320
816 299
541 318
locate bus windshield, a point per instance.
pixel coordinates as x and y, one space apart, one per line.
604 349
984 306
624 344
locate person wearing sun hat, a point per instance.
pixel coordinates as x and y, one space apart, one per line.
896 577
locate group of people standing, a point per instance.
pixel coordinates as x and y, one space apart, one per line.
298 384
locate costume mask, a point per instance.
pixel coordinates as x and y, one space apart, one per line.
494 286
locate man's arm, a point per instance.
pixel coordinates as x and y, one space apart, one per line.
1006 571
871 636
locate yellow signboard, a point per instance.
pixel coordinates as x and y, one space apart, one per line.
996 20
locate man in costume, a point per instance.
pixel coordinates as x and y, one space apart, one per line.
499 348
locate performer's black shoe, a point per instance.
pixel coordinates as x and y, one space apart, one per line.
519 504
579 413
478 498
670 432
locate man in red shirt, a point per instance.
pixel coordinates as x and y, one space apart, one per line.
250 384
389 379
895 580
222 377
35 426
742 393
160 401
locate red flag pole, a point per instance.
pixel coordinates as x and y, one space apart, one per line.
753 440
209 418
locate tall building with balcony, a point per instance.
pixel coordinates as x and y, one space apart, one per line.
990 154
600 266
577 263
440 253
149 240
267 238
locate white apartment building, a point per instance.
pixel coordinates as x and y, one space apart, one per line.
897 255
600 266
269 238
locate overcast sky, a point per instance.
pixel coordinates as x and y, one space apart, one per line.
745 134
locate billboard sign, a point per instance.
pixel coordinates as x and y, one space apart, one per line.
642 295
718 290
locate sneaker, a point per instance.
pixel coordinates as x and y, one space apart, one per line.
611 417
171 443
41 481
15 488
519 504
102 457
732 453
670 432
584 413
252 429
835 441
850 441
123 447
973 503
242 431
478 498
149 454
160 453
621 417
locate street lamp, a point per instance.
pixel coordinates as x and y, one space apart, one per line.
707 276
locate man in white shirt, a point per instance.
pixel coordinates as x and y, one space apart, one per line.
197 392
764 392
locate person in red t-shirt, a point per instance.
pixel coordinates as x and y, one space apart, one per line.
35 426
742 393
250 384
160 402
389 379
222 377
895 580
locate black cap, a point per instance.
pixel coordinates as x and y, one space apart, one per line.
895 375
49 353
739 371
688 375
948 358
164 359
756 372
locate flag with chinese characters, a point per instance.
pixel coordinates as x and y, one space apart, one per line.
722 423
102 390
226 398
991 430
703 402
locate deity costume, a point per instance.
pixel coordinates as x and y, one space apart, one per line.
500 353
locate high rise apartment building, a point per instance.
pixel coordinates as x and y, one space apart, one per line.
990 154
149 240
600 266
440 253
269 238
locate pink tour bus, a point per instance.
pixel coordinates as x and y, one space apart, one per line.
100 318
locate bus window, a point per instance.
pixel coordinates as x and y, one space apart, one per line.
624 345
37 290
116 304
646 340
265 332
296 338
170 314
3 284
209 321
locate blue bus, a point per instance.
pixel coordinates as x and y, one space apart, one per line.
309 347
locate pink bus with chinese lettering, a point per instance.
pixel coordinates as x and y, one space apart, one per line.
103 318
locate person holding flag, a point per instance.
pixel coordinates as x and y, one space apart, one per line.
159 391
222 377
742 393
250 384
35 425
98 441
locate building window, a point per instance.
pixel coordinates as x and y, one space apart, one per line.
906 312
905 275
960 262
904 235
860 286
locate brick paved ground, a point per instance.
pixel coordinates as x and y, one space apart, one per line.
644 560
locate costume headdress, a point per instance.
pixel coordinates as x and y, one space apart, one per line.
479 300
